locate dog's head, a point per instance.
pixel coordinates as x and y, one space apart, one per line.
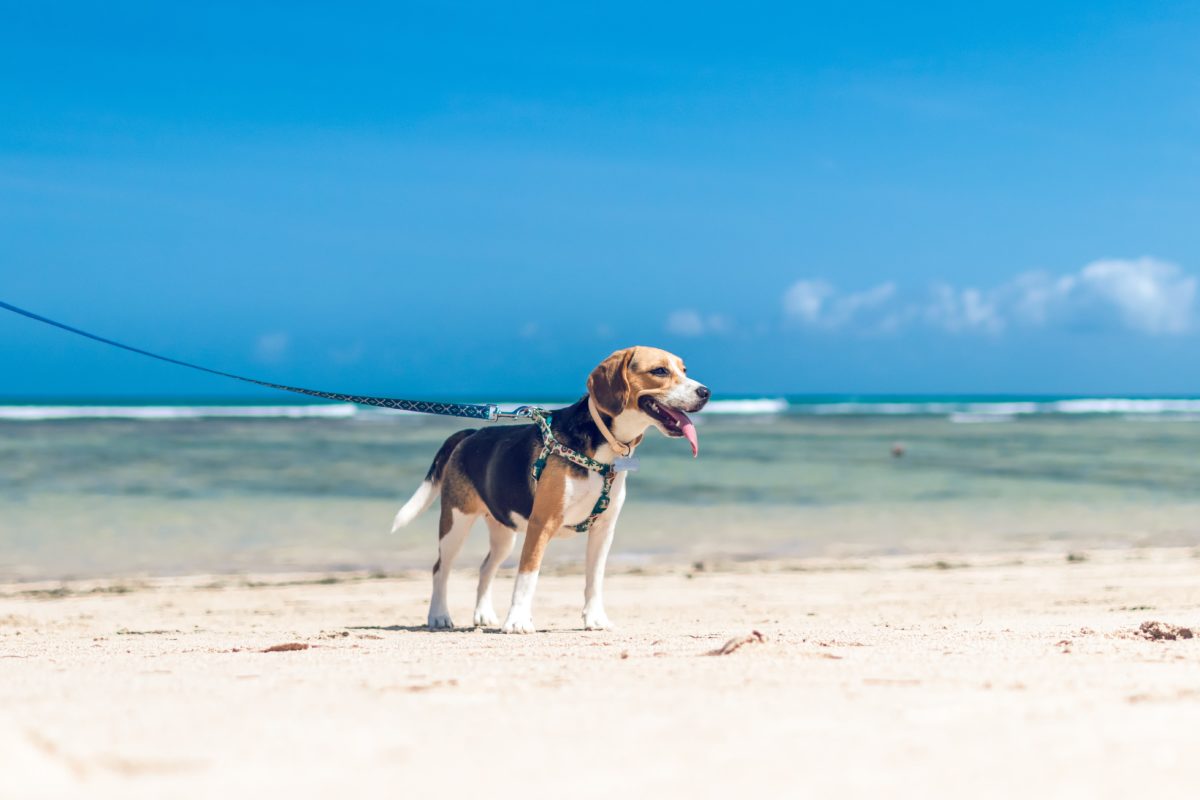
644 386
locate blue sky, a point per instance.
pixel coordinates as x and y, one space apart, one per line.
483 200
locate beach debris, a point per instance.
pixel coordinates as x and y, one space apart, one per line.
1167 697
1076 558
1162 631
288 647
335 634
64 590
737 642
941 563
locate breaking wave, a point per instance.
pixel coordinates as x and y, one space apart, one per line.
955 409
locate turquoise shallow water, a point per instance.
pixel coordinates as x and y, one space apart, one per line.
117 496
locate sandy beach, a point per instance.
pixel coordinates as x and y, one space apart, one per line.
992 676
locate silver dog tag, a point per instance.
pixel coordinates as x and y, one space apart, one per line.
626 464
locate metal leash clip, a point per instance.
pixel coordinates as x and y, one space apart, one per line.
520 412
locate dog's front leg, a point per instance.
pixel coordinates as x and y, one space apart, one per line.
520 614
544 522
599 541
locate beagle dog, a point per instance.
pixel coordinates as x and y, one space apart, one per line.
488 473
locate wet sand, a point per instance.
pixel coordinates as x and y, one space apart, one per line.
983 676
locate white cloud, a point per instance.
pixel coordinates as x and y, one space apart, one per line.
1144 295
846 309
685 323
804 300
271 348
1035 297
689 322
817 303
958 310
719 323
1151 296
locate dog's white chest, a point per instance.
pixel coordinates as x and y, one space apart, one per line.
580 496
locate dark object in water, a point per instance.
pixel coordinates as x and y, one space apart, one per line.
898 450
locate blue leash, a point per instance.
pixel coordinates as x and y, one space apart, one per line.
487 411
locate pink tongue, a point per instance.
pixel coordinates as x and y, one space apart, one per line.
689 430
685 425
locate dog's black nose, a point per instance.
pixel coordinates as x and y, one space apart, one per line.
702 392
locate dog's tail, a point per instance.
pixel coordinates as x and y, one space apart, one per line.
423 498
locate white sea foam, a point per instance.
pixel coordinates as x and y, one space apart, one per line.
764 405
1124 405
39 413
955 410
967 411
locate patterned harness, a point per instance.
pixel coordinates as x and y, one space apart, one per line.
552 446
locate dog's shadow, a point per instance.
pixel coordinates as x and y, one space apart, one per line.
400 628
427 629
417 629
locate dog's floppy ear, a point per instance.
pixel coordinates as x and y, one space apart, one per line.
609 383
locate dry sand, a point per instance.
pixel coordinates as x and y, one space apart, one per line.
989 676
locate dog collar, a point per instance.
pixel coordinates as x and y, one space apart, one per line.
552 446
619 447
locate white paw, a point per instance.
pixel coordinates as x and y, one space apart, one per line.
439 621
596 621
518 622
486 618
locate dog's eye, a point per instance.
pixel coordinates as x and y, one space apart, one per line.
660 372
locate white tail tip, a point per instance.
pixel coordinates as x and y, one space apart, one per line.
421 500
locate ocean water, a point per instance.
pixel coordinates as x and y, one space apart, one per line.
139 488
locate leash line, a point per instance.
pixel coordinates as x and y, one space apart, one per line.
485 411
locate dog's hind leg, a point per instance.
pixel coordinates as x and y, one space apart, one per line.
502 539
452 532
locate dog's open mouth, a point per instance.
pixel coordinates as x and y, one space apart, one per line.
673 421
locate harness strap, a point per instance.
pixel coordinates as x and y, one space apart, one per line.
551 446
